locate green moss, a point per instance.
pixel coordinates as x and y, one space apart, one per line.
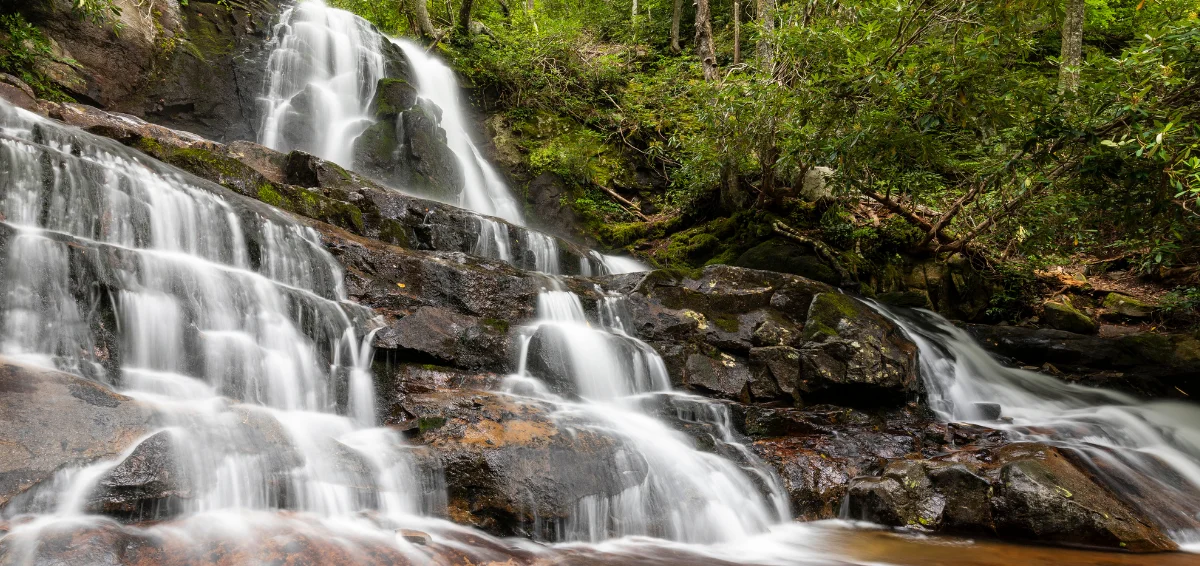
497 324
727 323
425 424
393 232
826 312
267 194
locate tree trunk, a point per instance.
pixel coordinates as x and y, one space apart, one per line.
1071 56
766 25
464 19
420 14
737 32
676 14
704 41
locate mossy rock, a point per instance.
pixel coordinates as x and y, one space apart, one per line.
392 97
1123 307
1064 316
785 257
826 313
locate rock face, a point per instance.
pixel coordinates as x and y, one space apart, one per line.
765 336
1024 490
510 467
407 147
50 420
1147 364
195 67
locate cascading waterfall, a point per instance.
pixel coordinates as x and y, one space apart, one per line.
322 74
1147 452
686 495
484 191
215 297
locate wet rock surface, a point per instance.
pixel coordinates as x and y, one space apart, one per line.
51 420
1147 364
765 336
511 467
1024 490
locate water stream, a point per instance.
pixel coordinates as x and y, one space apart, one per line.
231 322
1148 452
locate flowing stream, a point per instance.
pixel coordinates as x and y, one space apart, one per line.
1148 452
230 322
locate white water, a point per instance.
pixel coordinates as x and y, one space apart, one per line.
322 73
484 192
1146 451
237 353
686 495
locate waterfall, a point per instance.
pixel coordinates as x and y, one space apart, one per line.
1147 451
485 192
322 73
185 296
686 494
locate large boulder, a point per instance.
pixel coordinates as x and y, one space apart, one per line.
1147 364
766 336
853 353
1024 490
51 420
148 484
786 257
1064 316
512 467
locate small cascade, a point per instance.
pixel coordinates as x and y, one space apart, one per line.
494 241
684 494
484 192
226 318
322 74
1147 452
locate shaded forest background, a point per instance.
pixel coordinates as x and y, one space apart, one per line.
1022 137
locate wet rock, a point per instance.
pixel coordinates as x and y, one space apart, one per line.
51 420
787 257
1063 316
1147 364
545 194
146 485
450 338
775 371
854 353
393 96
17 93
724 376
1023 490
1121 307
510 466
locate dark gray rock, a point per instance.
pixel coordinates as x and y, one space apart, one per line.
854 355
787 257
148 484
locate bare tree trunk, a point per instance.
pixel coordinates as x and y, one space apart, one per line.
676 14
1071 56
633 14
737 32
464 19
420 13
766 24
704 40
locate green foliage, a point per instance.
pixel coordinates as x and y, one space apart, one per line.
98 11
21 47
387 16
